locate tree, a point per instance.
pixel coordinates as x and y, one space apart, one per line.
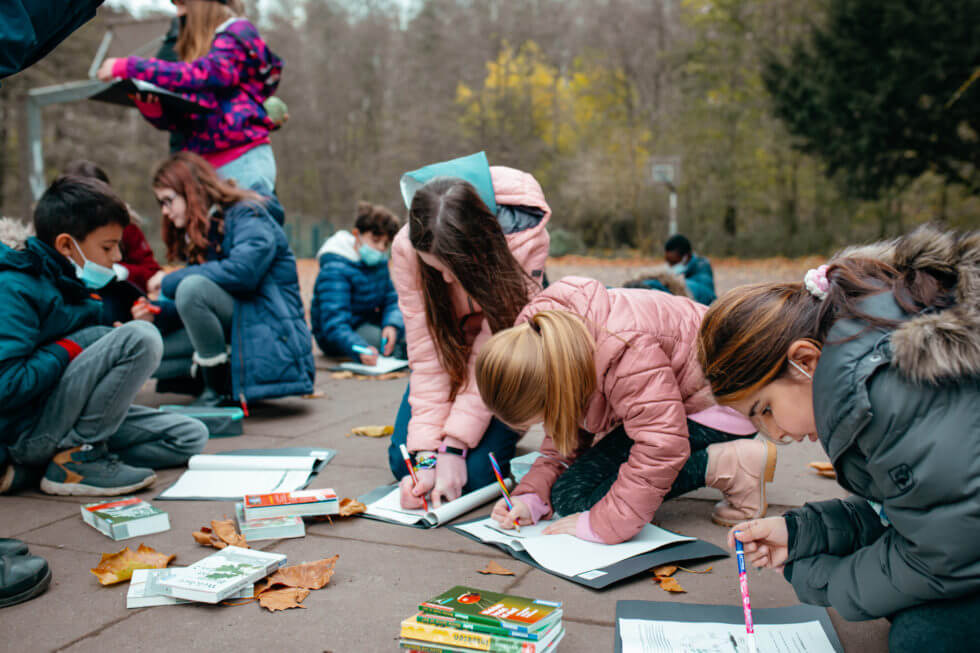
873 93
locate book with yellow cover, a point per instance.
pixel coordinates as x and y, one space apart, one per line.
415 631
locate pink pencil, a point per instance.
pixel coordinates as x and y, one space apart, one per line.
743 582
411 470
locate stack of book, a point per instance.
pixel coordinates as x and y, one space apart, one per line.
228 573
123 518
299 503
465 619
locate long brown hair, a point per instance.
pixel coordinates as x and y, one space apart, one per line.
448 220
545 366
197 33
745 335
193 178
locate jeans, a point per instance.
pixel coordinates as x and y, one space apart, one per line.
255 170
206 309
590 477
938 627
177 352
92 404
498 439
371 332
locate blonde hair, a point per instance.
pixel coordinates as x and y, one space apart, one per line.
545 366
203 18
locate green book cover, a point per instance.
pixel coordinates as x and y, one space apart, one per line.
494 609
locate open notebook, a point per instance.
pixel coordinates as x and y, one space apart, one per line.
223 477
588 563
384 504
384 365
664 627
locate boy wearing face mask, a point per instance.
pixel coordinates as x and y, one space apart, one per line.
66 383
695 270
355 307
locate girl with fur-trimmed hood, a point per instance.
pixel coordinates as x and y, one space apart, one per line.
877 356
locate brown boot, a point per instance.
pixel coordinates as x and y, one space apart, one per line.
740 469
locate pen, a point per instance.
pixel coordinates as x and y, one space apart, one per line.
500 479
361 349
743 583
411 470
384 343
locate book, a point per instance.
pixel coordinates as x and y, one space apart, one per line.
450 622
664 627
385 365
118 92
269 528
495 609
384 503
415 631
231 475
121 519
221 574
301 503
145 591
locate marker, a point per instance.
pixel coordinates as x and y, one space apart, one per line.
496 472
743 582
361 349
384 343
411 471
150 307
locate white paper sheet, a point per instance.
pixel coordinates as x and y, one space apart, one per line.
643 636
264 463
384 365
567 554
233 484
389 506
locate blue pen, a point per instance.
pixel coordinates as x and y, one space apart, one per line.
384 343
361 349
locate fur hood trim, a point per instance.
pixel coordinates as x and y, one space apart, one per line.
674 283
14 233
943 346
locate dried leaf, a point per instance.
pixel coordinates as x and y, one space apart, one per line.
346 374
350 507
283 599
824 469
206 538
384 377
225 529
315 395
669 584
373 431
694 571
117 567
495 568
309 575
665 570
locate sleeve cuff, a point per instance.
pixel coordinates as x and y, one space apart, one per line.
72 348
539 509
119 67
583 529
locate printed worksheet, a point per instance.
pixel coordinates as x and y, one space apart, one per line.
643 636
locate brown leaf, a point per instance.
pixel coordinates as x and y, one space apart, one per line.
346 374
309 575
225 529
315 395
824 469
494 568
669 584
117 567
283 599
665 570
384 377
350 507
206 538
373 431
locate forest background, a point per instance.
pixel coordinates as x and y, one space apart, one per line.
779 152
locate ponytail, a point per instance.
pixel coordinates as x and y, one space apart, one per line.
543 367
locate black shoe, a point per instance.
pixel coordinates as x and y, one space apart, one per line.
22 577
217 386
12 547
14 477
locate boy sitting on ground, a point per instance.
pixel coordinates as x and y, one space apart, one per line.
355 306
67 384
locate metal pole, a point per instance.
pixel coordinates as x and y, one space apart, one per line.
673 211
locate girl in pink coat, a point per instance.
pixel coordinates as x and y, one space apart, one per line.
629 417
470 258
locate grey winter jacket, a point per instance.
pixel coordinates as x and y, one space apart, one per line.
898 412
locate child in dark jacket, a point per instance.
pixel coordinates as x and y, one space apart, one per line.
877 356
355 305
66 383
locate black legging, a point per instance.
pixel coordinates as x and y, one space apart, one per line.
593 473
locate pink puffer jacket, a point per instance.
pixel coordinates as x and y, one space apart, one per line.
434 417
649 380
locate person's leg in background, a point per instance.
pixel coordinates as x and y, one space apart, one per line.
150 438
399 437
254 170
206 310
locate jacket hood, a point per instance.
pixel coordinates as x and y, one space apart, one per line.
341 244
243 31
674 283
14 233
937 346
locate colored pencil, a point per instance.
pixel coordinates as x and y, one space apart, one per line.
743 582
411 470
503 487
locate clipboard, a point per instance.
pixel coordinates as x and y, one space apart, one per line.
600 579
728 614
119 92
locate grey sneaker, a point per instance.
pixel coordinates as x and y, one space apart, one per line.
93 471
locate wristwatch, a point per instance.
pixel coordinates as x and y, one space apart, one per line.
456 451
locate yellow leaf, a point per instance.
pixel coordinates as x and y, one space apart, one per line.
494 568
117 567
350 507
664 570
669 584
373 431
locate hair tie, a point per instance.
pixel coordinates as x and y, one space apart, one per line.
816 282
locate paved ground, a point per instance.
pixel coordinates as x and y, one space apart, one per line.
383 571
